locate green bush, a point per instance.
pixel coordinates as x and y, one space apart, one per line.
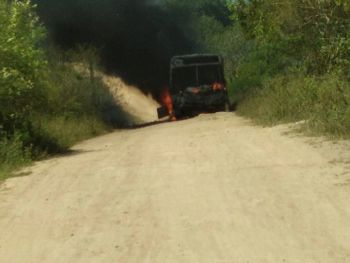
323 102
22 62
49 99
310 38
13 154
58 134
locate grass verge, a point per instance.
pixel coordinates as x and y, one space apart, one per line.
76 108
322 102
13 155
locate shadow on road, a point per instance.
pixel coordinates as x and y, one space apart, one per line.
145 125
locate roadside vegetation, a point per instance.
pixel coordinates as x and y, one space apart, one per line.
286 60
46 104
303 49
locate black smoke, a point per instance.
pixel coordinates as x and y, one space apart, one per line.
136 38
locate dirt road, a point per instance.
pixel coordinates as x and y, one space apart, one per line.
211 189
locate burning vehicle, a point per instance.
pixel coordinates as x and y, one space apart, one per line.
197 85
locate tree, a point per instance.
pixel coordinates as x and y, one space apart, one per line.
314 31
21 61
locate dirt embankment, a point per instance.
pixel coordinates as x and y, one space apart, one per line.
141 106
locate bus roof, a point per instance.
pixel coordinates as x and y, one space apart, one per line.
196 60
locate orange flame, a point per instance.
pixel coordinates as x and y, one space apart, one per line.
218 86
168 103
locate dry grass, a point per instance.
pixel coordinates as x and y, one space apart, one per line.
323 102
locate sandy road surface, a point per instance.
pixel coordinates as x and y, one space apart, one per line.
211 189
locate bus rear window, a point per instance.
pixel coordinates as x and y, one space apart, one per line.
207 75
184 77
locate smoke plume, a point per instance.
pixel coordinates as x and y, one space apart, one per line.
136 38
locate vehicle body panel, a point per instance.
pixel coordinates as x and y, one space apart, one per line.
197 84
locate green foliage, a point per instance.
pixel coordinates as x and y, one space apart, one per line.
21 62
323 102
55 134
286 60
49 99
13 154
72 87
309 37
316 32
229 41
